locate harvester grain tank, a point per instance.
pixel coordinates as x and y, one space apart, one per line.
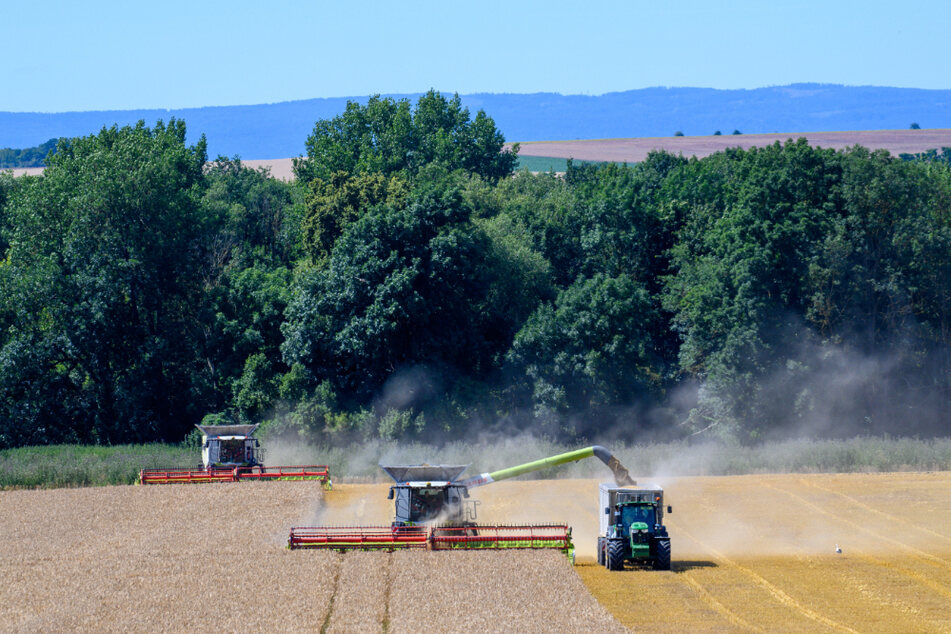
632 527
433 510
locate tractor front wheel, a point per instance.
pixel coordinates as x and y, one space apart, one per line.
600 551
662 555
614 558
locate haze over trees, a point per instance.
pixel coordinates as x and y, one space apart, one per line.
409 285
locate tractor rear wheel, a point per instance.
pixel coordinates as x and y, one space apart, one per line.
600 551
662 555
614 558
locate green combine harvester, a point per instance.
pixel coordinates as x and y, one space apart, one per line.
433 511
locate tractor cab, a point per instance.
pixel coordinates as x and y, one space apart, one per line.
427 493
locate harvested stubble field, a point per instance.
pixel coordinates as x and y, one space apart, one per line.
750 553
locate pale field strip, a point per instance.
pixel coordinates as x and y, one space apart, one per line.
633 150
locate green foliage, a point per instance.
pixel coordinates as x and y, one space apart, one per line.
408 285
590 352
333 205
73 465
799 264
403 287
27 157
386 136
929 156
255 216
914 126
99 286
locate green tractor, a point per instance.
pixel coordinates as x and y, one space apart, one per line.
632 527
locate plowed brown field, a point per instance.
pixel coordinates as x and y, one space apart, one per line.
750 553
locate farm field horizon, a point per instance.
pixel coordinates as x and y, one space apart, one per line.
749 553
636 149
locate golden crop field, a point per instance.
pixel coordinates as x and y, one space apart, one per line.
750 553
757 553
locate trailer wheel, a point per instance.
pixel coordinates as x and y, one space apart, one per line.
662 555
614 558
600 551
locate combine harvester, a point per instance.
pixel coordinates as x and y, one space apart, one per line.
433 511
231 453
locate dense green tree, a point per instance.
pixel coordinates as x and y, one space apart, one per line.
253 215
589 353
27 157
7 185
386 136
333 205
402 287
100 280
741 261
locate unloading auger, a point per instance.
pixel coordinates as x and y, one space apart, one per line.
433 511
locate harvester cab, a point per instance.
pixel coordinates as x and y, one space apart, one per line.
231 453
230 446
632 527
428 493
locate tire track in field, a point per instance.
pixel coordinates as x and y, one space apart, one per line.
920 554
715 605
389 593
863 505
777 593
330 608
889 600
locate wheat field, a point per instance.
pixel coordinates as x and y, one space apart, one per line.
189 557
750 553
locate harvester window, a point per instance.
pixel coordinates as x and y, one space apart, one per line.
427 503
232 451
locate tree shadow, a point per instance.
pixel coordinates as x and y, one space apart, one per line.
684 566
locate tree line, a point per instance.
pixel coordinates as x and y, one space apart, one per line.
410 284
27 157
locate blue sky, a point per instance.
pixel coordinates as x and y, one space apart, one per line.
111 54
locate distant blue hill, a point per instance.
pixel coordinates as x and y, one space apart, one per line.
279 130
